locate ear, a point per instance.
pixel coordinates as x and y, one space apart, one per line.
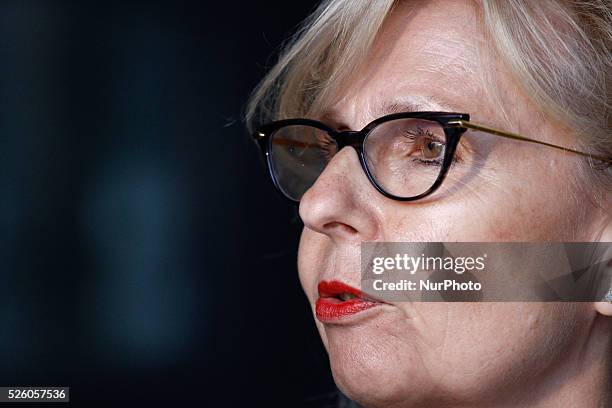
604 308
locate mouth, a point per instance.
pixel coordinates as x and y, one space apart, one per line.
338 300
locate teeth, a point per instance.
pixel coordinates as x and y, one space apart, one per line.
347 296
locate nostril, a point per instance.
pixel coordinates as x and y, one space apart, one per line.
340 227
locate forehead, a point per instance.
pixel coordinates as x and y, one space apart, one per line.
429 54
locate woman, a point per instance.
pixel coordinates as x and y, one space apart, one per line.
538 69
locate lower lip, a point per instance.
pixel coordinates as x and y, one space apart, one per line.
331 309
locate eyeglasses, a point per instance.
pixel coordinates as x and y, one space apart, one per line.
406 156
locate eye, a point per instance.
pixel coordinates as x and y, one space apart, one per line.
432 149
428 146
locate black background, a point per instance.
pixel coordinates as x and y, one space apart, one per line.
144 254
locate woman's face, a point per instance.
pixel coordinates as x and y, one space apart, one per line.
434 57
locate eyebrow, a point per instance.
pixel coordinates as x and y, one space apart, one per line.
412 104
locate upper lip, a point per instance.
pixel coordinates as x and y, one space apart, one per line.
341 290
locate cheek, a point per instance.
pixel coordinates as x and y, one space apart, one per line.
310 261
311 255
515 207
530 212
481 348
526 200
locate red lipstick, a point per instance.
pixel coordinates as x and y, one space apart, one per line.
337 300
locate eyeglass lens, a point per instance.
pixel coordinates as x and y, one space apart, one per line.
404 156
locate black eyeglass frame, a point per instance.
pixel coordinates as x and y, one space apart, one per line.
356 139
454 125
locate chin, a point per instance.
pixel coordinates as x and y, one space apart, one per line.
375 370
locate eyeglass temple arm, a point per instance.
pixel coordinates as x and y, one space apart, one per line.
509 135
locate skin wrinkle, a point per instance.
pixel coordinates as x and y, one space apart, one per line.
445 345
453 183
457 63
470 354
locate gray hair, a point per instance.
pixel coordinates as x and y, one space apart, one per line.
559 51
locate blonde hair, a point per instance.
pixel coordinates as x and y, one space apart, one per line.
559 51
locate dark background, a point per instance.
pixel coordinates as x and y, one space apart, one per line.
144 255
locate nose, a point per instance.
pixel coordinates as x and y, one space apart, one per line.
342 203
